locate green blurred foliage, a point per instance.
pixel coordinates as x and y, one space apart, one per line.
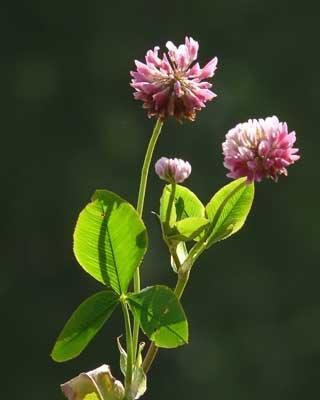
70 126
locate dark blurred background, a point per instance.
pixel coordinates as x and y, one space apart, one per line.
70 125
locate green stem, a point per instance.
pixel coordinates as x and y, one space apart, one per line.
150 356
141 196
128 378
197 250
175 257
182 281
183 277
146 164
170 204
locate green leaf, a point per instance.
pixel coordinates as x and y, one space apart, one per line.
229 208
98 384
186 203
83 325
188 229
161 316
110 240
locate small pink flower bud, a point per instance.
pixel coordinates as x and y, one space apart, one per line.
173 169
172 85
259 149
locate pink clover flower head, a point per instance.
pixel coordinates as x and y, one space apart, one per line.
172 85
173 169
259 149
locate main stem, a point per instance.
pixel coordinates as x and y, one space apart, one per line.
183 277
141 196
129 370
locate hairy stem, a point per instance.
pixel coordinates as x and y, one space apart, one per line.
141 196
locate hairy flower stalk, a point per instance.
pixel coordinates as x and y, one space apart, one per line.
259 149
173 169
173 85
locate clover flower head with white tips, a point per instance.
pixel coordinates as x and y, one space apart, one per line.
259 149
173 85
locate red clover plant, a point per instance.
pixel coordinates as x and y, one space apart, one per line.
110 238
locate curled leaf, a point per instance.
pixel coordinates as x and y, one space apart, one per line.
98 384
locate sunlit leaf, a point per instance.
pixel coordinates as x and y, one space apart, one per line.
188 229
229 208
186 203
110 240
